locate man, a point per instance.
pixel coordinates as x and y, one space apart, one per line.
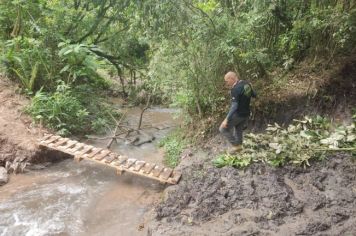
232 126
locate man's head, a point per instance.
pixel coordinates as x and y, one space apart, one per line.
231 78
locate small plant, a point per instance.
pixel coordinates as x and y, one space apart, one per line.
173 145
230 160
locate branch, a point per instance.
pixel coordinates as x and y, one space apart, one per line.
143 110
99 18
77 4
202 12
116 128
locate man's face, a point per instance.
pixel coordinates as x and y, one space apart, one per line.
229 82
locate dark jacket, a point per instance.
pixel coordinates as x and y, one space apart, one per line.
241 95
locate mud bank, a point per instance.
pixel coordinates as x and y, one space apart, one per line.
10 152
18 135
261 200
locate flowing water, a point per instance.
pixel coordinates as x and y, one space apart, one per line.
70 198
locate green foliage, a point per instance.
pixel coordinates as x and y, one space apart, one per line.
61 110
49 41
68 40
299 143
173 145
28 64
80 62
229 160
68 111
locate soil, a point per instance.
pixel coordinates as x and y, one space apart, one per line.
18 136
260 200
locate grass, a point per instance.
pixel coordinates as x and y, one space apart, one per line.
173 144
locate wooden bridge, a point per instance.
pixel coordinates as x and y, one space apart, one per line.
102 156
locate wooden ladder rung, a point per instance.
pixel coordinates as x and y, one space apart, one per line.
51 139
166 173
156 171
121 160
102 154
138 165
176 175
60 142
148 168
69 145
77 147
110 158
93 152
129 163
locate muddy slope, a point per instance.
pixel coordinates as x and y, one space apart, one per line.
18 136
261 200
328 91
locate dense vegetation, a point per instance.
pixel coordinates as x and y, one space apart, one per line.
177 51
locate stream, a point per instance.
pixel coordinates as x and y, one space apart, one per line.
70 198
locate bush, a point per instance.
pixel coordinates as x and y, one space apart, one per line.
70 112
60 111
25 60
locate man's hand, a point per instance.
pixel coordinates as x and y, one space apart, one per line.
224 124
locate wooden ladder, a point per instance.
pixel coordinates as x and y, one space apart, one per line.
121 163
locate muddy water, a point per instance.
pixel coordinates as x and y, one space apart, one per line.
70 198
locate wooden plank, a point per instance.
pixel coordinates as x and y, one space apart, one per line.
148 168
69 145
129 163
51 139
47 136
166 173
64 146
101 155
93 152
52 144
112 156
120 160
78 155
86 149
77 147
176 175
156 171
138 165
61 142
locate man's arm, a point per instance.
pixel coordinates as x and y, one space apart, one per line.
233 109
253 94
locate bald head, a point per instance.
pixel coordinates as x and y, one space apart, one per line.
231 78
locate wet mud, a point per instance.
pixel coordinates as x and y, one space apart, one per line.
261 200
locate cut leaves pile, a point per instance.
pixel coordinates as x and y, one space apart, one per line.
300 142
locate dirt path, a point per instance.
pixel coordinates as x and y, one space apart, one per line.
18 136
260 200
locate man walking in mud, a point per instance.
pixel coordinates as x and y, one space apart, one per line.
233 125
